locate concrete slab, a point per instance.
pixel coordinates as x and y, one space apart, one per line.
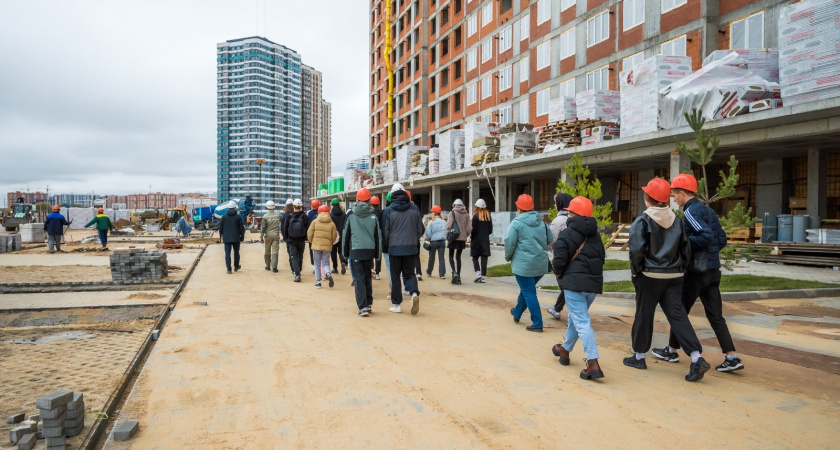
99 299
181 258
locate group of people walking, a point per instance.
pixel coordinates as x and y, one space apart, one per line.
673 261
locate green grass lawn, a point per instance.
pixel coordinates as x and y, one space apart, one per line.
733 283
503 270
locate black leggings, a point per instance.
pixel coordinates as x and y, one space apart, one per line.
455 256
482 267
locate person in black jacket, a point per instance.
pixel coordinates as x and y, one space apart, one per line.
295 228
287 212
482 228
54 226
232 233
579 267
339 218
707 238
659 256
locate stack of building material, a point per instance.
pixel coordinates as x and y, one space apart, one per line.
599 132
823 236
451 146
137 264
53 412
763 62
357 179
23 432
473 131
434 160
420 163
516 144
513 127
723 88
640 86
10 243
562 109
809 51
599 104
32 232
404 158
560 135
485 149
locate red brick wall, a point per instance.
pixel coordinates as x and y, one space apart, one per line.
605 48
680 16
592 4
694 48
723 38
727 6
568 15
631 37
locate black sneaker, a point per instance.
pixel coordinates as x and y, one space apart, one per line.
534 329
697 370
631 361
274 270
343 268
515 319
297 278
730 365
666 355
236 269
330 279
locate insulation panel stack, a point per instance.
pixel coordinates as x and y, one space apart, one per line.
640 86
598 104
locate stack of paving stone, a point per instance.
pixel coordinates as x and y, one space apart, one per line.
10 243
136 264
62 415
24 432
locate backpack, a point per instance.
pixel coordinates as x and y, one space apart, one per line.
297 229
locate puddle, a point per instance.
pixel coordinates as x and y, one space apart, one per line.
48 339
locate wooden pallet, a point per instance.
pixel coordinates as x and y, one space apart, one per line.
620 239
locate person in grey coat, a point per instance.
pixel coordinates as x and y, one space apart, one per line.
232 233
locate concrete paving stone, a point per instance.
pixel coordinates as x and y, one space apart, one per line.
56 442
53 400
76 413
35 417
78 399
73 423
53 432
53 413
39 435
72 432
57 422
126 430
17 418
27 442
18 432
33 425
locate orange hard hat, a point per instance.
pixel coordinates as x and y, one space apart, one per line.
525 202
324 208
408 192
315 204
436 209
374 200
363 195
100 210
684 181
56 208
581 206
659 189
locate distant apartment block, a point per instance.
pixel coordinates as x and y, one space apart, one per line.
83 200
28 197
315 132
156 200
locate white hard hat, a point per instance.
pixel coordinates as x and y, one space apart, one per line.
297 202
397 187
269 205
480 203
289 201
457 202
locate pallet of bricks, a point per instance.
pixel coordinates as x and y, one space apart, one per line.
559 135
137 264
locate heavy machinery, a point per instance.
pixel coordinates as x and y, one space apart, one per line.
204 219
19 213
173 215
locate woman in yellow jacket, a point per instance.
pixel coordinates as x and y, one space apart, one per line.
321 236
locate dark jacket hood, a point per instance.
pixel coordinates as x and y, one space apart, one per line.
400 201
587 226
231 212
362 209
562 201
336 211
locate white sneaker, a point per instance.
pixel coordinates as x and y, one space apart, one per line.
376 277
415 303
405 293
362 313
483 279
477 277
395 309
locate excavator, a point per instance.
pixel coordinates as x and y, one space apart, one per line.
19 213
173 215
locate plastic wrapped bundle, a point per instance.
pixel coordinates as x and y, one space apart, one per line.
763 62
450 142
476 130
520 143
640 86
562 109
809 53
597 104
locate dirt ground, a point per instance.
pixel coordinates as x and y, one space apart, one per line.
282 365
53 274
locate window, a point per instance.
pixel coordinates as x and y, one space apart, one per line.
505 38
598 29
668 5
504 115
457 102
472 59
486 50
525 27
486 87
634 13
487 14
524 69
566 4
472 24
567 43
567 88
471 98
543 100
747 32
674 47
486 118
543 55
632 60
505 78
598 79
543 11
457 69
523 110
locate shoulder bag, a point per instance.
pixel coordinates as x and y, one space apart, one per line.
573 258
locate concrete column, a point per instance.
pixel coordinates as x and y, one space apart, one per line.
652 21
709 11
644 177
501 193
474 194
769 188
567 177
679 164
436 195
817 183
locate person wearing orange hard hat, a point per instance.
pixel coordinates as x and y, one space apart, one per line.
579 267
54 227
321 235
660 254
526 244
103 224
436 239
376 204
703 279
361 245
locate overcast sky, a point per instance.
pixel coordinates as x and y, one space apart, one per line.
114 96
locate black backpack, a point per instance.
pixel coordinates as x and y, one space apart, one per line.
297 229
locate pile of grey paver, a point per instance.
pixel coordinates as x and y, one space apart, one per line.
137 264
10 243
61 415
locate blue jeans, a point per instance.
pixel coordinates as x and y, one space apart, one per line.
228 247
528 300
580 325
103 237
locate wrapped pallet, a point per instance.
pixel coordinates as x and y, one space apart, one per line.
404 159
809 53
763 62
640 86
519 143
450 142
562 109
598 104
476 130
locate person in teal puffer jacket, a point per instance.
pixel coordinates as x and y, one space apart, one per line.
525 246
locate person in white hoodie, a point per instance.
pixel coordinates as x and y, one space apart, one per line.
660 253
